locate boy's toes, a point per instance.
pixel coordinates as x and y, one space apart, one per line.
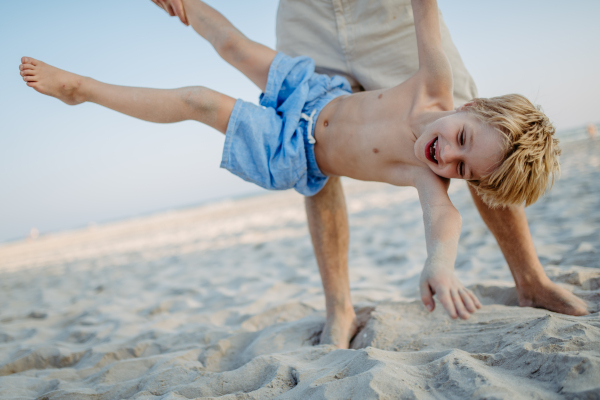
29 78
28 60
26 66
27 72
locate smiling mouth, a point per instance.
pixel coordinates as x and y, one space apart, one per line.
430 152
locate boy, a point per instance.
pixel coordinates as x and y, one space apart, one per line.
311 127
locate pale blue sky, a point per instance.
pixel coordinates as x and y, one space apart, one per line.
63 167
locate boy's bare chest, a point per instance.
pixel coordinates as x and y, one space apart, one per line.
364 138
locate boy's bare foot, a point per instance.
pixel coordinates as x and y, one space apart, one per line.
52 81
549 295
339 329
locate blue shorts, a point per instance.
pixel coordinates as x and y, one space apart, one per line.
272 144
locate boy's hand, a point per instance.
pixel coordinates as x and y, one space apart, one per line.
174 8
456 299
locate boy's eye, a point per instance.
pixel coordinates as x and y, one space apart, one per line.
462 137
462 169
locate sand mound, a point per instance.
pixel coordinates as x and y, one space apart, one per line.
224 301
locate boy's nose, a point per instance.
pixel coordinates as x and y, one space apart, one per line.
448 154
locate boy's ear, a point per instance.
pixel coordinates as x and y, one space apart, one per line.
464 106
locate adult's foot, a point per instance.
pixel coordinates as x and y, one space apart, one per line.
52 81
339 329
547 294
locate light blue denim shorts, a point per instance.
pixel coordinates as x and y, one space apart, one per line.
272 144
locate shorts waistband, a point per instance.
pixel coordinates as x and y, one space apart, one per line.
312 111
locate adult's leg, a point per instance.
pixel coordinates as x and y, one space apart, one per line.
534 288
154 105
250 58
328 225
307 27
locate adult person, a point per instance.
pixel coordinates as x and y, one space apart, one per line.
373 44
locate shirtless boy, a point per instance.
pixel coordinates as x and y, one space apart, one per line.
311 127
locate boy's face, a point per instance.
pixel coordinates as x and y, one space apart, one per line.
460 146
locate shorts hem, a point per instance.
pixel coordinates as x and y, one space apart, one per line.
229 133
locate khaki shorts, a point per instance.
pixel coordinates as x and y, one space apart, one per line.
372 43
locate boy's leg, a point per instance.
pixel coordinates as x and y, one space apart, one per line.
250 58
154 105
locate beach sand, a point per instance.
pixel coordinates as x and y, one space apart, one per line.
225 301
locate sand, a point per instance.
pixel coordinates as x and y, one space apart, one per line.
225 301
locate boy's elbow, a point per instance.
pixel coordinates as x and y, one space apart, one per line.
228 44
454 214
451 215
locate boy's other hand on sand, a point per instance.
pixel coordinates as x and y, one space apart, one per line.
173 8
52 81
456 299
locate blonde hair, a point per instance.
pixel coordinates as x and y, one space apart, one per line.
530 164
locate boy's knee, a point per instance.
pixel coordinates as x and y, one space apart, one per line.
196 99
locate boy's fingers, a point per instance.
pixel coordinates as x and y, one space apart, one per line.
170 10
180 11
157 3
162 4
458 303
466 298
475 299
427 297
446 300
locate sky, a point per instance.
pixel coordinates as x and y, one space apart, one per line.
64 167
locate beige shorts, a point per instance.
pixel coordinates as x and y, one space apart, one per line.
372 43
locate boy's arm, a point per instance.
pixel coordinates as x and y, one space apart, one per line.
442 231
433 62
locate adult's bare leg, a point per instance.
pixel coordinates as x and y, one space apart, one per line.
328 225
534 288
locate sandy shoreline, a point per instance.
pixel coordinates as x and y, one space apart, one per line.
225 300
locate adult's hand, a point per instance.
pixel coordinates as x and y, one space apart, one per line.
173 8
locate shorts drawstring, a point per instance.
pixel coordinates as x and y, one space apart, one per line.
309 135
